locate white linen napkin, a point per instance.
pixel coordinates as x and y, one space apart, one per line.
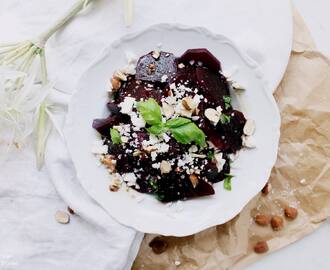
31 238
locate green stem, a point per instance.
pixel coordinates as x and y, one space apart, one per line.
41 135
42 39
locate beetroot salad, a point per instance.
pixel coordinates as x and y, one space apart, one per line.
171 129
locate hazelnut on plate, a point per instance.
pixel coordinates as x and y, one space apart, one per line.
277 223
261 247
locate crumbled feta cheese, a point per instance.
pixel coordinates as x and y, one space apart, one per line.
193 149
181 65
166 137
129 178
137 121
164 78
127 105
156 165
153 156
219 161
162 147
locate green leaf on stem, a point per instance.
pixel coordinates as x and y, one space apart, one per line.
115 136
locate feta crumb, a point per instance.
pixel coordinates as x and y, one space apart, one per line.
181 65
129 178
153 156
166 137
219 161
127 105
156 165
137 121
164 78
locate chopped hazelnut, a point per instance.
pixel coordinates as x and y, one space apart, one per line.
150 149
155 54
116 84
62 217
193 179
249 127
120 76
188 103
110 162
291 212
261 247
213 115
277 223
266 189
168 110
151 68
165 167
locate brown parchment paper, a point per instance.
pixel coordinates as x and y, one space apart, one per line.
300 178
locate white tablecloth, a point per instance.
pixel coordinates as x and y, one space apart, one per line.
31 238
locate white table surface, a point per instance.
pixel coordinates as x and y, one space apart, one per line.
312 252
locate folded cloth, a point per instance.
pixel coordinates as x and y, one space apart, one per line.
31 239
116 244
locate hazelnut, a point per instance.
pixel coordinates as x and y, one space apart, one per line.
110 162
151 68
261 247
116 84
277 223
136 153
266 189
188 103
155 54
62 217
158 245
249 127
165 167
115 185
213 115
167 109
120 76
290 212
150 149
194 180
262 220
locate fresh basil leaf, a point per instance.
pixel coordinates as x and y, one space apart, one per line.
115 136
177 122
227 100
227 181
189 133
224 119
150 111
210 154
157 129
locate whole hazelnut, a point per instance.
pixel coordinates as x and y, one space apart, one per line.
277 223
261 247
158 245
115 83
291 212
262 220
266 189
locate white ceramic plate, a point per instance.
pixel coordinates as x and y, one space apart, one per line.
251 169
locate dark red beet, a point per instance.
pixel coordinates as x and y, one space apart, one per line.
214 86
150 69
203 55
103 125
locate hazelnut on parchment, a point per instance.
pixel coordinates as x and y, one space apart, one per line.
158 245
291 212
262 220
261 247
277 223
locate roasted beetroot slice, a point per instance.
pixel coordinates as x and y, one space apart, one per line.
203 55
213 85
202 189
103 125
150 69
113 108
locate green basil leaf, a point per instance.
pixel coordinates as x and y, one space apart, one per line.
227 181
177 122
210 154
150 111
227 100
224 119
157 129
115 136
189 133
